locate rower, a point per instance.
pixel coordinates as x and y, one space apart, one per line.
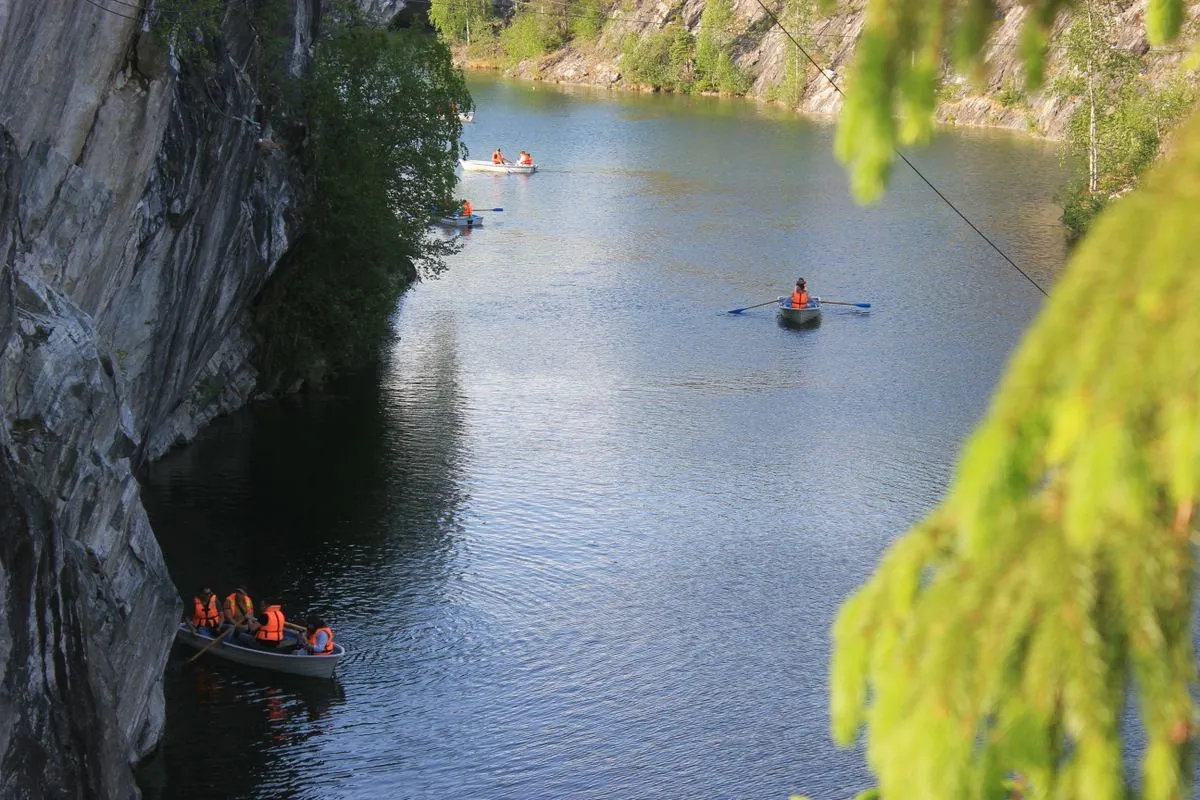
269 627
468 210
800 294
238 608
498 157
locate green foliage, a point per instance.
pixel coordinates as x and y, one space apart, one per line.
1004 635
188 23
797 17
1010 94
1164 18
660 59
1080 208
587 19
715 68
1119 123
460 20
534 30
899 58
383 145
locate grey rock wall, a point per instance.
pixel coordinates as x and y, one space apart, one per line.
143 203
831 39
384 11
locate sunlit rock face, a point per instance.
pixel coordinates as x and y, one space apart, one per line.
145 198
766 52
383 11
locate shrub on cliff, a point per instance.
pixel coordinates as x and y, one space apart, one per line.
660 59
382 147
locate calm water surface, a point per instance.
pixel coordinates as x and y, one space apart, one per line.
584 533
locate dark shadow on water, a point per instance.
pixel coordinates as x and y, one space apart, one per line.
245 716
306 502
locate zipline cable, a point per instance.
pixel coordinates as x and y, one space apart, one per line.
904 158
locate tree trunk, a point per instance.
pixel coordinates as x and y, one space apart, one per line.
1093 144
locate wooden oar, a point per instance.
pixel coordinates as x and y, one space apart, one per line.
211 644
843 303
747 308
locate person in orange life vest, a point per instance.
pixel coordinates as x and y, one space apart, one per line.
526 159
269 627
498 157
800 294
206 610
238 608
319 637
467 208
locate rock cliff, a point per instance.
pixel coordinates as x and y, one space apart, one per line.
143 203
762 49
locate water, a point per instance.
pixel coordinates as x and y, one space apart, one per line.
583 532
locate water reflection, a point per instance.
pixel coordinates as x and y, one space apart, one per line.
250 726
583 532
325 502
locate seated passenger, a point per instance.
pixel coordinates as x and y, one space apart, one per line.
318 637
206 611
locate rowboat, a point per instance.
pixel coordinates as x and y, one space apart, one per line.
240 648
459 221
467 117
487 166
797 317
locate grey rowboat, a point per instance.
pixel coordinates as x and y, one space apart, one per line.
239 648
797 317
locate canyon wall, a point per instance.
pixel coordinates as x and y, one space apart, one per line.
144 200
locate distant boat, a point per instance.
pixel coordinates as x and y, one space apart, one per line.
487 166
797 317
467 117
460 221
241 649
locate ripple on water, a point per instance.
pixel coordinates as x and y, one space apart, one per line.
584 532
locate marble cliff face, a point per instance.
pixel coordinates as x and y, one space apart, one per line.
143 204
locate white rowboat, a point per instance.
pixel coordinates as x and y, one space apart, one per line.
239 647
797 317
488 166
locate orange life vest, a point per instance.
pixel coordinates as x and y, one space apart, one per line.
206 615
238 611
312 641
497 158
799 298
526 159
273 630
468 209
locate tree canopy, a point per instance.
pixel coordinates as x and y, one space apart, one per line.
1008 633
381 108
